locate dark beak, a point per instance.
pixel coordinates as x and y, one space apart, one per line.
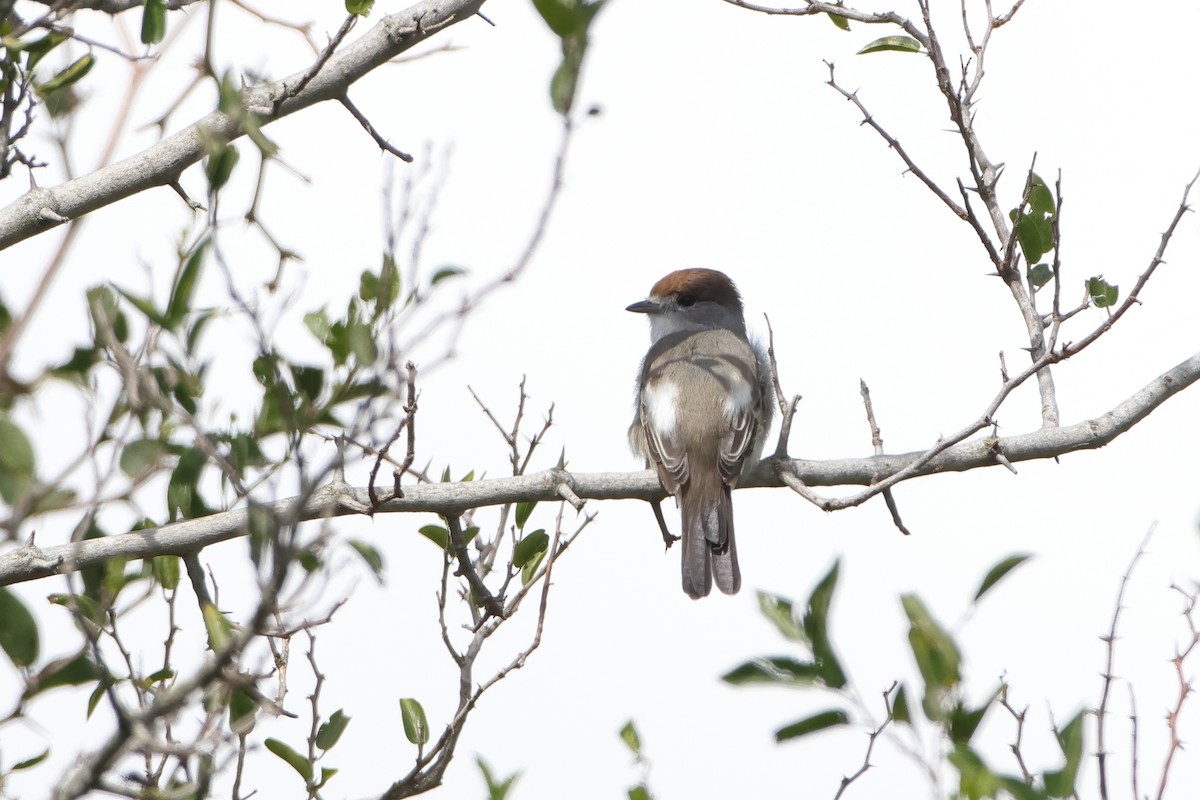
643 307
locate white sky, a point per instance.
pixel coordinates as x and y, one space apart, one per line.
720 146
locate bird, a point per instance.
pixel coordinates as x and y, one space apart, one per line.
701 414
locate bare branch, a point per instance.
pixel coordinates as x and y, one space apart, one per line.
30 562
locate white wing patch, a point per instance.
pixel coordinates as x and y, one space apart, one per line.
662 398
737 401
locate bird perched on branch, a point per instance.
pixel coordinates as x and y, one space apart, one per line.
702 413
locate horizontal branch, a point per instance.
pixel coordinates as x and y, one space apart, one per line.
30 562
41 209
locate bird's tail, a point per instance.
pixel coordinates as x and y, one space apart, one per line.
708 545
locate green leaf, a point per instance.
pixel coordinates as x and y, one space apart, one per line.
1040 275
936 655
416 728
69 671
326 774
530 569
436 534
154 22
900 710
146 307
1035 221
817 722
1062 782
629 736
562 86
106 314
18 631
839 21
37 49
332 729
1103 294
639 792
166 571
183 489
558 14
16 462
529 547
975 781
816 627
903 44
142 455
965 721
309 381
359 8
371 555
217 626
444 273
776 670
523 511
498 788
218 167
1019 789
778 610
95 697
243 709
296 761
996 573
70 75
184 289
31 762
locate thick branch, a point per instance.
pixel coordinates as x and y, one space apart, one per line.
30 562
41 209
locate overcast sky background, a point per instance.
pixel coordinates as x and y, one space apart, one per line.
718 145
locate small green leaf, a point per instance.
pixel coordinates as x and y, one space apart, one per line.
37 49
31 762
498 788
371 555
69 671
976 781
562 86
141 455
166 571
530 569
243 709
18 631
817 722
217 626
16 462
523 511
558 14
359 8
996 573
778 610
936 655
965 721
529 547
296 761
326 774
1040 274
629 736
436 534
70 75
639 792
903 44
416 728
900 709
95 697
184 289
331 730
154 22
1019 789
816 627
218 167
839 21
1061 783
1103 294
444 273
777 670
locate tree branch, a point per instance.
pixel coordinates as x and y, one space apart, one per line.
41 209
30 562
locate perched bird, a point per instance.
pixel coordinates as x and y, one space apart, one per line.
703 411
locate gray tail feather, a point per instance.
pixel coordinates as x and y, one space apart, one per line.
708 544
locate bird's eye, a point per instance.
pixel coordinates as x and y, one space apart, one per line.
687 300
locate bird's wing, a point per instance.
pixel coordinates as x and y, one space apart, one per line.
738 443
668 455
